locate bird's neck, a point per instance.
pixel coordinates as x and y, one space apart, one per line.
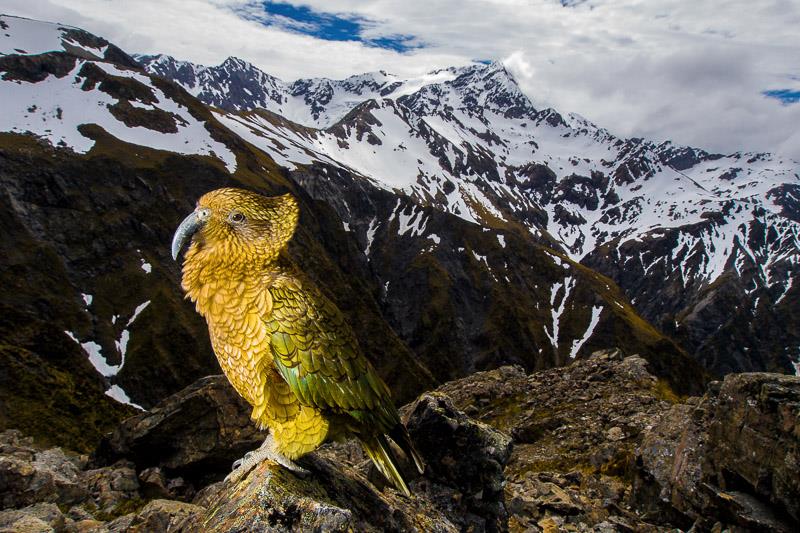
206 280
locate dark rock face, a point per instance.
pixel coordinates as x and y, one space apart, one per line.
735 324
755 438
63 245
731 454
196 433
465 462
36 68
47 385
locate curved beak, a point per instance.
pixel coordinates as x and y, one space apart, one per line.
185 230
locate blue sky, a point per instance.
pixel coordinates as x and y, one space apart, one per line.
324 26
723 75
787 96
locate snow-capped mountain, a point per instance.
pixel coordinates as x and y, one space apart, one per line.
673 225
54 105
237 85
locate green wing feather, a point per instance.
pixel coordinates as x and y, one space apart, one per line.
316 352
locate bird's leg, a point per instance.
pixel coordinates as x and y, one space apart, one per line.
268 450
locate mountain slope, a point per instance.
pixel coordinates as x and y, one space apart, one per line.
691 237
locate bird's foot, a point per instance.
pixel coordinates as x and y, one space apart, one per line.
267 450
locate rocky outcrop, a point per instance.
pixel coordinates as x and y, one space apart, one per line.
460 491
157 516
600 445
46 490
466 461
585 448
575 432
731 454
195 434
37 518
755 438
29 475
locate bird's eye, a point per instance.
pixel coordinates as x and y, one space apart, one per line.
236 217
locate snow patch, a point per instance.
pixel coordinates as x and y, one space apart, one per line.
479 258
414 222
95 353
787 286
137 312
122 344
25 36
558 310
116 392
577 343
373 227
53 108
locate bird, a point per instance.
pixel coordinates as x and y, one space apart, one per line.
284 346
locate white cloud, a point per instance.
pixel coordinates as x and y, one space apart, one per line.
690 71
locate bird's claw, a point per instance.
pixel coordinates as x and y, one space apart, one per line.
291 465
239 462
251 459
236 474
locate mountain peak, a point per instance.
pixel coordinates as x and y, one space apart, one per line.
157 58
158 62
494 66
237 63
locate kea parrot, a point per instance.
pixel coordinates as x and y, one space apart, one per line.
283 345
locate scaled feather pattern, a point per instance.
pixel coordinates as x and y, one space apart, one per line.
283 345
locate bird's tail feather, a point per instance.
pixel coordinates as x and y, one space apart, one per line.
378 449
399 434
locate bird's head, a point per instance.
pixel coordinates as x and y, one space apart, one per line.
235 225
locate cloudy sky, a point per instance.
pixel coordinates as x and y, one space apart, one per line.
723 75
